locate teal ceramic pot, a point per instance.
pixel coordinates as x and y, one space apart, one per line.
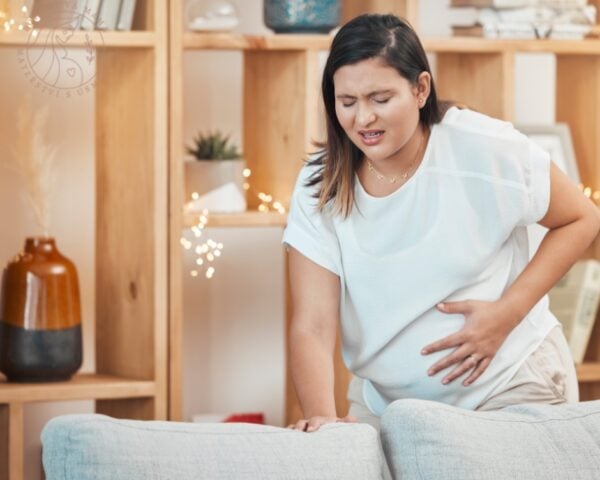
302 16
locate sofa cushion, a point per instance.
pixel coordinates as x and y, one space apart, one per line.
85 447
428 440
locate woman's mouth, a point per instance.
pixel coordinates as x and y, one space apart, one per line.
371 137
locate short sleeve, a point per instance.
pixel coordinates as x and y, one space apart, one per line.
536 177
310 231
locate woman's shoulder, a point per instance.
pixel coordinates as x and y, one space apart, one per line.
462 120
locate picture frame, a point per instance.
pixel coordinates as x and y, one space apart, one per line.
556 140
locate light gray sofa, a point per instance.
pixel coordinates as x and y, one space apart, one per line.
421 440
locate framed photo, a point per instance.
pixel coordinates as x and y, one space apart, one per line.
556 140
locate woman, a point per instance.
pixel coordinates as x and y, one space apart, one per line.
410 229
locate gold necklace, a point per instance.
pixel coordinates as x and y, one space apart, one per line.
403 176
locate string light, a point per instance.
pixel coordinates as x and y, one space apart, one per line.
209 251
590 193
267 202
206 252
24 23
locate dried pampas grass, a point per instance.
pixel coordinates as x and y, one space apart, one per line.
34 160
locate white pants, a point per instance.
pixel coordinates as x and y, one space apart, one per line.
547 376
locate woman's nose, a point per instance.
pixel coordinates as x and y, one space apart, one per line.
365 116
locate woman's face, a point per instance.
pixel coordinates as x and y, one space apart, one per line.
377 107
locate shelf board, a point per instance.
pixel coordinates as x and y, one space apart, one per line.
245 219
588 372
228 41
86 386
80 39
486 45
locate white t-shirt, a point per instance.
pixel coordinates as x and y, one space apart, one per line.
456 230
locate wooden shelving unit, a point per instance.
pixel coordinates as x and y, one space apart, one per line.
478 72
480 45
91 386
99 39
131 234
278 71
246 219
226 41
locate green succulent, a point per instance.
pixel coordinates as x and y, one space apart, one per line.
213 146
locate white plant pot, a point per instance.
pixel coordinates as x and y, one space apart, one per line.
218 183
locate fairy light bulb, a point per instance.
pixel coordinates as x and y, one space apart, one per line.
23 23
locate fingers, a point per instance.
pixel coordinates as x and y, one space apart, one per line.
456 356
469 363
477 372
450 341
455 307
314 423
301 425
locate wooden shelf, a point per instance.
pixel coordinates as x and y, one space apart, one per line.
79 39
483 45
227 41
80 387
588 372
246 219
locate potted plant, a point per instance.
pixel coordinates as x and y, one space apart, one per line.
214 177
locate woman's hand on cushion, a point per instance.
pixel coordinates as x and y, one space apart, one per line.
312 424
487 324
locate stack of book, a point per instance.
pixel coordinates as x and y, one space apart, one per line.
574 301
528 19
84 14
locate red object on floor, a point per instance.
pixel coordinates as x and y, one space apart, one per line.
245 418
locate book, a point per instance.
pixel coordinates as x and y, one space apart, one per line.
126 15
574 301
510 31
505 4
64 15
108 14
88 22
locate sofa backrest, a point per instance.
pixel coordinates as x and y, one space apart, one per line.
427 440
86 447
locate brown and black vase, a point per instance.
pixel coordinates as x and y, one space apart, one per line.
40 315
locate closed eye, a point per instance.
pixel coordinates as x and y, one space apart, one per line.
385 100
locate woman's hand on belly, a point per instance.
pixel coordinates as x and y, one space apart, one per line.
487 324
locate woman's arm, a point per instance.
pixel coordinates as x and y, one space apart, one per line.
315 300
573 222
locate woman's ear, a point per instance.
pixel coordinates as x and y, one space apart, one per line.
424 85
